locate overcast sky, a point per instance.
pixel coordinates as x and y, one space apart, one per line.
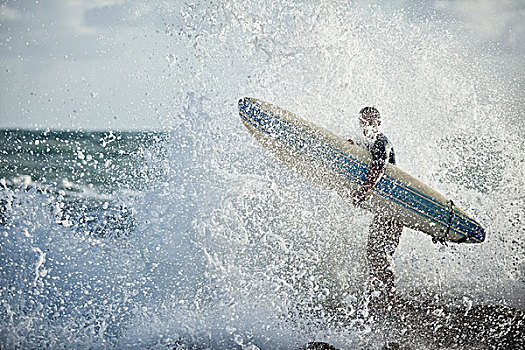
83 63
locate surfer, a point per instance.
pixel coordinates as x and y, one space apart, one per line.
384 232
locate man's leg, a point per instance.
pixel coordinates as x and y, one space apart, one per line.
383 240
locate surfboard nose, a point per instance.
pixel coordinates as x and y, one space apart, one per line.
244 105
243 101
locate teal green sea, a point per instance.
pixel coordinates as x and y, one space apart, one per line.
103 162
90 176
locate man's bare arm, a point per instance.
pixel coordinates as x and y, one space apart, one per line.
365 189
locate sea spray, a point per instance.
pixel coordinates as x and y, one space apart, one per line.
221 246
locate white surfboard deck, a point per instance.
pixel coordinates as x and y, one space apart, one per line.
337 165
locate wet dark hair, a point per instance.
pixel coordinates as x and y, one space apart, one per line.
372 111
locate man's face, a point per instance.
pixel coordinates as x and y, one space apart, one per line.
369 124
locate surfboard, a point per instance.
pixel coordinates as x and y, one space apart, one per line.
336 165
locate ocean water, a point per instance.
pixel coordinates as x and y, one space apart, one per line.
194 237
87 171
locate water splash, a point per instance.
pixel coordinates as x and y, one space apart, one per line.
228 249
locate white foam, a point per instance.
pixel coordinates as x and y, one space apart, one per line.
230 248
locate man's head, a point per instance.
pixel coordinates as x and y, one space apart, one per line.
369 120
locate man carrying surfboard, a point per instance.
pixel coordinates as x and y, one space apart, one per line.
384 232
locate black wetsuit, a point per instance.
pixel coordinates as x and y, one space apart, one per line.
384 232
381 150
